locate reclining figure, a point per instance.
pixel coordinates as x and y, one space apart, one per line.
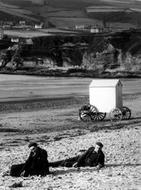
93 157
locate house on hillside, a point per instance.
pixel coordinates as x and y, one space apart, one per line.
7 24
39 26
22 22
79 27
94 30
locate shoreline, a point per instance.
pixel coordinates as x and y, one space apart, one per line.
76 72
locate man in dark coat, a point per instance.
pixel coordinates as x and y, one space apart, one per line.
36 164
93 157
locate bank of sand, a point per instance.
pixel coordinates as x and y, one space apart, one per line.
58 130
122 170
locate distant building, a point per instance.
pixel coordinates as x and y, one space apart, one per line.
29 41
22 22
16 40
7 24
94 30
39 26
99 29
79 27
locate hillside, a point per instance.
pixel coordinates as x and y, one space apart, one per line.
63 13
10 12
115 54
113 15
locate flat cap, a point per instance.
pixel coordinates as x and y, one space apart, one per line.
32 144
99 144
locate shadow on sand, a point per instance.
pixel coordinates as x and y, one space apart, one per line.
124 165
89 169
4 130
108 125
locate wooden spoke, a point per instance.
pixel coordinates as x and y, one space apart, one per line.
93 109
89 112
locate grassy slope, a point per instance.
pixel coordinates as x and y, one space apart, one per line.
65 12
16 12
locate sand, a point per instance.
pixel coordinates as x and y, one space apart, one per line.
61 133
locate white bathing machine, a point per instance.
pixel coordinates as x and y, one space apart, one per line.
105 96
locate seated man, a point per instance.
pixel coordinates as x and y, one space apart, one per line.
92 157
36 164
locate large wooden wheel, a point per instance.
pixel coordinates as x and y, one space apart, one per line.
84 113
89 112
99 116
126 113
116 114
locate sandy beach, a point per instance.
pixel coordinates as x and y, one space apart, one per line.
58 130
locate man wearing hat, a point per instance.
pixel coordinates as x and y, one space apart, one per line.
36 164
93 157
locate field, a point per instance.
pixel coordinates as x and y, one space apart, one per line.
45 110
15 11
68 13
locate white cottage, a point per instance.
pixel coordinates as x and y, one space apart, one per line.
105 94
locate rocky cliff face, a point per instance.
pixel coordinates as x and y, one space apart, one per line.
122 53
114 52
